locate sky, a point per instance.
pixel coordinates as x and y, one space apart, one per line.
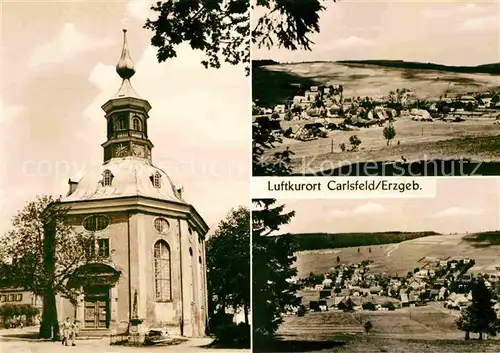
58 68
443 32
460 205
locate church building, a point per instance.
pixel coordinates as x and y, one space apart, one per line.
152 241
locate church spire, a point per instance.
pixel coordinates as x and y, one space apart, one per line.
125 66
125 69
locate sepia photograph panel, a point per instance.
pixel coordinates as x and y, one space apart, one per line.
125 209
376 88
379 275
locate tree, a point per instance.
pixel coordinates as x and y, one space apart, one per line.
479 316
263 139
275 116
337 290
272 265
338 258
44 251
221 29
228 266
494 99
355 142
368 326
389 133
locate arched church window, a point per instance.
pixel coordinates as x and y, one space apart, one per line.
137 124
199 259
162 271
161 225
190 252
95 223
156 180
107 179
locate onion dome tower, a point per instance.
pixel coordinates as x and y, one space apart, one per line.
126 116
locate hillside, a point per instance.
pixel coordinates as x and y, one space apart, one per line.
318 241
272 87
272 82
492 69
401 257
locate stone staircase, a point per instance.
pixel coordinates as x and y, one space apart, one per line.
87 333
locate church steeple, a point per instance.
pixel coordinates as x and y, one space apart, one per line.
127 115
125 69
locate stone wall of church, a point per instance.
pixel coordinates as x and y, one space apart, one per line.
187 273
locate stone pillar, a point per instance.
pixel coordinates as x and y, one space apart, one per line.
80 307
113 307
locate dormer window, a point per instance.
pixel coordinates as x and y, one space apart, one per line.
107 179
137 124
156 180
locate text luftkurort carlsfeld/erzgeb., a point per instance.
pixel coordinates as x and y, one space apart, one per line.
334 185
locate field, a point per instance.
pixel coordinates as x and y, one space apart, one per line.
431 322
401 258
475 138
420 329
370 80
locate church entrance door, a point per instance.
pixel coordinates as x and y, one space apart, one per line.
97 307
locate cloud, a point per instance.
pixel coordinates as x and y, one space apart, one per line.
457 211
184 95
9 113
462 10
198 123
69 43
370 208
480 23
139 9
351 42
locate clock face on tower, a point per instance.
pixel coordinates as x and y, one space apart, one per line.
139 151
121 150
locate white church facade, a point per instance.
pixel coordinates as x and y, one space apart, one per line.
152 241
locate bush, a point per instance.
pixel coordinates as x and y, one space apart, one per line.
368 326
234 335
368 306
302 310
389 306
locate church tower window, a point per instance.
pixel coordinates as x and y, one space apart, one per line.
162 271
107 179
161 225
121 123
137 124
156 180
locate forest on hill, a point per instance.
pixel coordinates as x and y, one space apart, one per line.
318 241
492 69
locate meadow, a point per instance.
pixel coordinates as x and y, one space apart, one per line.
475 138
372 80
419 329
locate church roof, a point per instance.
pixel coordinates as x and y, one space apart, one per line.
131 176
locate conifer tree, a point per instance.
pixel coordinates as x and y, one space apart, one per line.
272 264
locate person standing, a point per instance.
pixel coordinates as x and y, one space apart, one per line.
66 329
75 328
